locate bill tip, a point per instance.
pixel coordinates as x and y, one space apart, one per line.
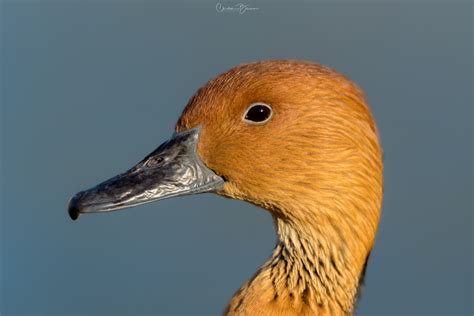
73 210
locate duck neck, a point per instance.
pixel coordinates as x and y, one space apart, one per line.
316 265
315 271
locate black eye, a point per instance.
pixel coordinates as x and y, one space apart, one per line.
258 113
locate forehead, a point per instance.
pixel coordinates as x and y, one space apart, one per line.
282 84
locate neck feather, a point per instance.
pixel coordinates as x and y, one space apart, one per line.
315 271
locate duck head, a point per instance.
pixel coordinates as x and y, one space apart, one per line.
295 138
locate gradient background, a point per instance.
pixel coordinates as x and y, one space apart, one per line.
89 88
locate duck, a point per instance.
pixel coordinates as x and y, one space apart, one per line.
295 138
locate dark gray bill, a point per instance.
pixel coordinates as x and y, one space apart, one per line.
173 169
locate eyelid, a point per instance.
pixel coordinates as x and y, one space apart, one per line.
252 105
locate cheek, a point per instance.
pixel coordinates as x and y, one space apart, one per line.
251 159
249 169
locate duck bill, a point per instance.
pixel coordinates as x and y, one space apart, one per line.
173 169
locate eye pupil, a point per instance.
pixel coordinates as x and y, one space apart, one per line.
258 113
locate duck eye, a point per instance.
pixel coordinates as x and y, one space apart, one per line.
258 113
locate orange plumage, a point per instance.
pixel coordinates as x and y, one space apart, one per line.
316 165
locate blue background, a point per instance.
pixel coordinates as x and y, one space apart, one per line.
90 87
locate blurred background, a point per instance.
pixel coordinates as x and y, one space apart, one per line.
91 87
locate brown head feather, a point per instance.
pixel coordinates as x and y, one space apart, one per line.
316 165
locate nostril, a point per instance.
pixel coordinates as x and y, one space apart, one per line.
154 161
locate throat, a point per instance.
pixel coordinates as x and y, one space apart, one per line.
314 268
311 272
